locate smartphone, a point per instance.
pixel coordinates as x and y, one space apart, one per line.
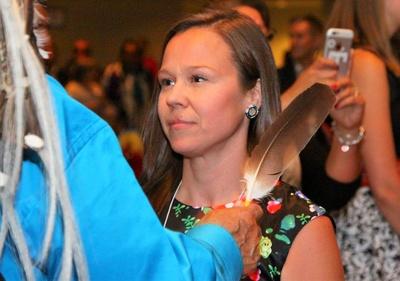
338 44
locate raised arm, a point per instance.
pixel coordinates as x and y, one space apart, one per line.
378 152
330 176
343 163
321 71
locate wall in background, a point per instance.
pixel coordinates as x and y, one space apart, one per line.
106 23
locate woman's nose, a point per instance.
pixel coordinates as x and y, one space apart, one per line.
177 95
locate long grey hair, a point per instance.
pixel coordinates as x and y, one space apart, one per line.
26 110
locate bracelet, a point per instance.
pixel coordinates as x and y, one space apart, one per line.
348 139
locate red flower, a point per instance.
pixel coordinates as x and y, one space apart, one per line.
255 276
274 206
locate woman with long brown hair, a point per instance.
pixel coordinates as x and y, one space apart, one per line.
369 227
217 93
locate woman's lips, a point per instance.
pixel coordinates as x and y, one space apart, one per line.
179 124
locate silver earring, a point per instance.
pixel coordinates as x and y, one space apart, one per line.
251 112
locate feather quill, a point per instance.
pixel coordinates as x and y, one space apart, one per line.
285 139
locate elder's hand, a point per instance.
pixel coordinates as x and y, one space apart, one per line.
241 222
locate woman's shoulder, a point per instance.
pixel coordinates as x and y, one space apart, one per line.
368 70
367 57
286 211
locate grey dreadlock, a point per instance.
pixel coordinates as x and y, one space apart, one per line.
25 104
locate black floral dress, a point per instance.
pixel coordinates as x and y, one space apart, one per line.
286 212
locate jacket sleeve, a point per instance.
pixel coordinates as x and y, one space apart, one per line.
121 234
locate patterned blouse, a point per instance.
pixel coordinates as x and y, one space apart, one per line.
286 212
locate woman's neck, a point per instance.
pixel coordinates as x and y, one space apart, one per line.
212 180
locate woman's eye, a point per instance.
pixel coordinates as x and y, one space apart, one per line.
167 82
198 79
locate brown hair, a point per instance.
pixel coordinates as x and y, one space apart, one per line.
366 18
253 59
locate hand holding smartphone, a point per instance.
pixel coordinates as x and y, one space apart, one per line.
338 44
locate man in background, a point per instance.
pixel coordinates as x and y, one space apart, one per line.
306 40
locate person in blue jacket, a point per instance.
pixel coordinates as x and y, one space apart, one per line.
71 207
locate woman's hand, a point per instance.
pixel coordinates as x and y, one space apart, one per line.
349 107
322 70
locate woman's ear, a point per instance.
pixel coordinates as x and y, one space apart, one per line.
254 94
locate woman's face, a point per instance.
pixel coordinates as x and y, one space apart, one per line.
201 104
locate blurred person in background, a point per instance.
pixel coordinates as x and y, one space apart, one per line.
306 35
329 175
256 10
128 84
86 88
368 228
81 56
149 63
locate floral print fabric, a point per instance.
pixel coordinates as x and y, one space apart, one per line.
286 212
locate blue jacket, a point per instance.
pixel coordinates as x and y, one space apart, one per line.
122 237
